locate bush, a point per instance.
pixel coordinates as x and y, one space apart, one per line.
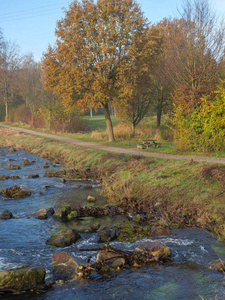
204 128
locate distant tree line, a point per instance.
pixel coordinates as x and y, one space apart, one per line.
108 55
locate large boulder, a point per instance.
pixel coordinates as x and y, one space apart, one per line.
156 249
22 278
64 266
6 214
107 233
63 238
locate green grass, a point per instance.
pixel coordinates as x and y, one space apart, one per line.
97 122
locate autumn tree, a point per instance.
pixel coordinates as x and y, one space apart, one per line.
9 66
93 53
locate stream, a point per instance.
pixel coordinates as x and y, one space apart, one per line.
22 241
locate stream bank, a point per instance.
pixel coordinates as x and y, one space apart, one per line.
184 193
192 249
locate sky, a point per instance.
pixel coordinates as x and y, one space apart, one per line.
31 23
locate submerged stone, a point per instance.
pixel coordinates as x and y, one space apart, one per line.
87 186
33 176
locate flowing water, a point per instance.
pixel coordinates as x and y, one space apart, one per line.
22 241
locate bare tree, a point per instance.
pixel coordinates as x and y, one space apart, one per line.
196 53
9 66
31 86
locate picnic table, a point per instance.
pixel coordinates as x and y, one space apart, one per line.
148 143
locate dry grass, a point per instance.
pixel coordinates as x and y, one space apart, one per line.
98 135
213 171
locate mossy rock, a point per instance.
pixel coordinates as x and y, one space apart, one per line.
22 278
73 215
130 232
62 212
63 238
15 192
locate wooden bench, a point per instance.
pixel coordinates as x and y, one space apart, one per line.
147 144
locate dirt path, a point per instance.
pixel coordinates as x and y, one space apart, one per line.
131 151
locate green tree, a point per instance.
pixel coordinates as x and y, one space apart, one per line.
93 54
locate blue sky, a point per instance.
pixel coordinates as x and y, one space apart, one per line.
31 23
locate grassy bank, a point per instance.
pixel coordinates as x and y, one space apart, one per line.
175 193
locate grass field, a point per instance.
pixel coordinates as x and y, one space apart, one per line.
97 122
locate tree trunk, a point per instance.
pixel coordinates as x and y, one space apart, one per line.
133 129
6 111
91 112
108 122
32 118
160 107
159 115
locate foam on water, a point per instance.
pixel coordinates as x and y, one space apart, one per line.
6 265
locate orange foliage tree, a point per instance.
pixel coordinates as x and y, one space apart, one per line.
94 53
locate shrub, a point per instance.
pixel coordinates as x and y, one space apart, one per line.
204 128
